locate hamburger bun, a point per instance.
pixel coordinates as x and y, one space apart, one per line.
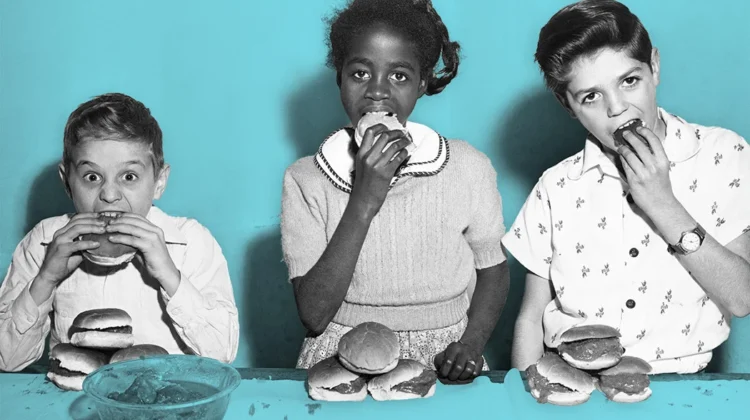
108 253
409 380
69 365
626 382
553 381
591 347
388 119
107 328
136 352
630 126
369 348
328 380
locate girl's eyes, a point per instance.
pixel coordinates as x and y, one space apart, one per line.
399 77
360 74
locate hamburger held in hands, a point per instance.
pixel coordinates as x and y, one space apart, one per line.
368 360
108 253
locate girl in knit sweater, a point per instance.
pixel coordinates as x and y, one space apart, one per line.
411 241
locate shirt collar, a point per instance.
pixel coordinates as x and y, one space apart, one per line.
680 144
172 234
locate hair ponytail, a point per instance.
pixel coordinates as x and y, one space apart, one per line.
437 81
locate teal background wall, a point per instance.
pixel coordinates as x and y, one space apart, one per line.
241 91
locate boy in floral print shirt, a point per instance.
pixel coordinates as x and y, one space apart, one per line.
656 242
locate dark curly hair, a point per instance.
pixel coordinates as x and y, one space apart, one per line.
417 19
583 28
113 115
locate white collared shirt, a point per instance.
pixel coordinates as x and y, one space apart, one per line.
609 266
200 318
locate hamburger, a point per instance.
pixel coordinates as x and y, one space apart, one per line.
409 380
630 126
69 365
369 348
591 347
108 328
626 381
328 380
553 381
136 352
107 253
389 120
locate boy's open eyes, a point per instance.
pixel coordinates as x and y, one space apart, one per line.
91 177
130 177
591 97
630 81
94 177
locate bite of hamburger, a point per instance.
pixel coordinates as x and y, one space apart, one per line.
107 253
136 352
553 381
591 347
409 380
69 365
627 381
369 348
107 328
328 380
389 120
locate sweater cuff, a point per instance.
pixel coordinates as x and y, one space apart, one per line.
25 312
184 299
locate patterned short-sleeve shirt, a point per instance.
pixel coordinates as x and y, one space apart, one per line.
580 229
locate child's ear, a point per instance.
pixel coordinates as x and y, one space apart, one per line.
565 104
64 179
161 181
422 87
655 65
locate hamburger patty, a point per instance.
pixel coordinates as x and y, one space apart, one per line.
592 349
350 387
419 385
54 366
541 384
120 330
629 383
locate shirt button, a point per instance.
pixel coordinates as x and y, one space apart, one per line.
633 252
630 303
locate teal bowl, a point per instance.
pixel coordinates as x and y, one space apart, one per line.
177 387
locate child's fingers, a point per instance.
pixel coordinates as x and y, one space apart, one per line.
71 232
130 240
368 139
79 246
396 151
133 226
468 371
459 366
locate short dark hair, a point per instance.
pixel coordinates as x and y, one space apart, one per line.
113 116
417 19
582 29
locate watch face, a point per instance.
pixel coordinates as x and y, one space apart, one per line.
691 242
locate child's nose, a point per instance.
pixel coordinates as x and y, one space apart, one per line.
616 105
378 89
110 192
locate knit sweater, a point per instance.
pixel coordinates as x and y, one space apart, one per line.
422 249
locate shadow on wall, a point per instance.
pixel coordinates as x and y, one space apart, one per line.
47 198
271 326
313 112
275 333
535 134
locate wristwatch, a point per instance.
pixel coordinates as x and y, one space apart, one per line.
689 242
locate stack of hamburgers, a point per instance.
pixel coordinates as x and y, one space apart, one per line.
368 361
585 353
97 337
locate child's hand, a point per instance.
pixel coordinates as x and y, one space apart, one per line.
647 172
374 169
64 252
458 364
136 231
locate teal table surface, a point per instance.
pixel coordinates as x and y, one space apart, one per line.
281 394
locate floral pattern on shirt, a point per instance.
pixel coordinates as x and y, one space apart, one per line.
612 265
